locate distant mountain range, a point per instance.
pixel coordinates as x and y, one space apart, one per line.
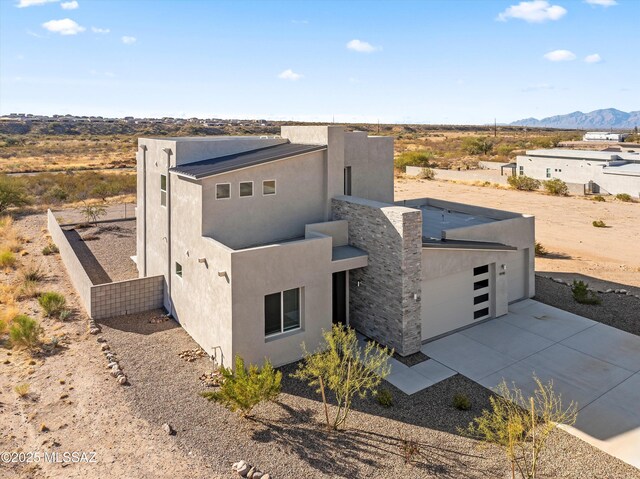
607 119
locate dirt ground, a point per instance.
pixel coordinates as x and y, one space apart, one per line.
563 226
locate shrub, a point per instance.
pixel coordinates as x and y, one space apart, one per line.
556 187
427 174
599 224
540 249
340 366
22 390
29 289
477 145
461 402
12 193
32 273
521 426
523 183
7 259
52 303
384 398
413 158
243 389
50 249
598 198
92 213
582 294
624 197
409 448
25 331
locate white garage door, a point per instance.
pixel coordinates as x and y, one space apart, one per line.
517 276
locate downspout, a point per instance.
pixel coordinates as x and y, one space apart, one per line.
169 153
144 209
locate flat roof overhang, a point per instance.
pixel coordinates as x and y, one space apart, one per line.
462 244
344 258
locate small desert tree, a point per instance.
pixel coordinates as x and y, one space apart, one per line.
92 212
522 426
11 194
343 368
244 388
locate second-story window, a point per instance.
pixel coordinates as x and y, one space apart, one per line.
223 191
163 190
269 187
246 188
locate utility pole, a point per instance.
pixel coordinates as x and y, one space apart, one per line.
495 128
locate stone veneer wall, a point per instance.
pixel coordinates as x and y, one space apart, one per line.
386 304
108 299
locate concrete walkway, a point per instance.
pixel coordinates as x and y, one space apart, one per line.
595 365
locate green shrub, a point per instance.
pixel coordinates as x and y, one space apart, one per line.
50 249
25 331
624 197
523 183
461 402
52 303
556 187
32 273
243 389
598 198
29 289
582 294
427 174
477 145
12 193
599 224
384 398
7 259
413 158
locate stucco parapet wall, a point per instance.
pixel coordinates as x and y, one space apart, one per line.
462 208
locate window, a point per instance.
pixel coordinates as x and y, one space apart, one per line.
347 181
178 269
548 172
223 191
481 313
483 298
269 187
481 284
246 188
481 270
521 170
282 312
163 190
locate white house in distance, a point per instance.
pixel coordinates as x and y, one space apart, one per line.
586 171
263 243
604 136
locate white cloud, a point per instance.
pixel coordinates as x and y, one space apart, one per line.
560 56
100 30
593 58
536 11
362 47
32 3
538 87
602 3
289 74
129 40
66 26
69 5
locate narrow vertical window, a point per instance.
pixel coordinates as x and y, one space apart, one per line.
163 190
347 180
178 269
548 172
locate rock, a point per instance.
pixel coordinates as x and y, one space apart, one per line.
105 347
609 290
94 331
243 470
257 475
168 429
237 465
266 476
623 291
100 339
251 472
122 380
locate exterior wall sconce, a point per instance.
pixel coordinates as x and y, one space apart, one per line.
222 274
202 260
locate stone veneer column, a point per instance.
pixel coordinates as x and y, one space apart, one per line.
382 296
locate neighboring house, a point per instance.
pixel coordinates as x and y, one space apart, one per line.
586 171
264 242
604 136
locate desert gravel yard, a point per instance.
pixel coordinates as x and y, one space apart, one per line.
105 250
287 439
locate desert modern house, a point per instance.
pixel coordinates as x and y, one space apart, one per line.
589 171
604 136
264 242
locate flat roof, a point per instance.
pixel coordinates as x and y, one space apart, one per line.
436 220
224 164
584 154
632 169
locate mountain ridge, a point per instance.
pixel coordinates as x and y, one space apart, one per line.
604 119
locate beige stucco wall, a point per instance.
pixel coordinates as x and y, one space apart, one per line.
371 162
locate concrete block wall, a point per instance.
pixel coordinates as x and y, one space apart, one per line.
127 297
384 297
75 270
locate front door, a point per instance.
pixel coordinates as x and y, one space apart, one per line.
340 297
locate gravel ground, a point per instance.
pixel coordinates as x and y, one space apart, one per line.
619 311
286 438
106 258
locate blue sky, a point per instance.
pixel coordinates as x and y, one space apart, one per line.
400 61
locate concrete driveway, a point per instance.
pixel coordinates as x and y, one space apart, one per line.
595 365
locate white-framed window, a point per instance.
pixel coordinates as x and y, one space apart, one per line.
246 189
223 191
269 187
178 270
548 172
163 190
282 312
521 170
